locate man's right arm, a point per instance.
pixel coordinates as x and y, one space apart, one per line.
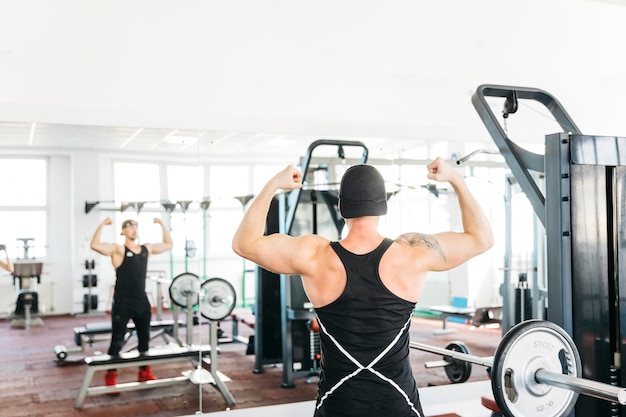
103 248
277 252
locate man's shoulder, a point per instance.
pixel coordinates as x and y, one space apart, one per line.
312 242
314 239
415 239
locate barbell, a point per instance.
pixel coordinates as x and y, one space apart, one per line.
536 370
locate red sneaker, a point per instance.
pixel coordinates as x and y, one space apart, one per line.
110 379
146 375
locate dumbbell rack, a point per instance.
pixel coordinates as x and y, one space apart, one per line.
90 281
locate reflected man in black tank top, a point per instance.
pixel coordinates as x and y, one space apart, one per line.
129 300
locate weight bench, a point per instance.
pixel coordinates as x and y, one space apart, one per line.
153 356
246 321
89 332
487 315
451 311
477 317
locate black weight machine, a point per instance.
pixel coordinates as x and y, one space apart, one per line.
26 276
581 202
285 329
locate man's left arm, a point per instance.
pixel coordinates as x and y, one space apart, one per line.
167 243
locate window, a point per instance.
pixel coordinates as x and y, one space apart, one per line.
20 225
137 190
136 182
229 184
262 174
185 183
30 190
23 210
185 186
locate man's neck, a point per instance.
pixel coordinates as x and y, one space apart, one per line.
131 244
363 235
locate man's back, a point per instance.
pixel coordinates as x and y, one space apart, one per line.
364 337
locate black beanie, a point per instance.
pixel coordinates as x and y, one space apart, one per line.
362 192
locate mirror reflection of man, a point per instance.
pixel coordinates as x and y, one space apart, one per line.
130 302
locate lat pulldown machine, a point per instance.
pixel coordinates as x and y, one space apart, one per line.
26 276
583 211
284 331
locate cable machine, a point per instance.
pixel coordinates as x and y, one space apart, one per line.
583 213
26 276
284 315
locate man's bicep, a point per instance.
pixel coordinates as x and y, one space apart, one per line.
157 248
456 249
106 249
278 253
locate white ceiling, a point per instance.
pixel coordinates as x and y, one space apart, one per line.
133 141
261 80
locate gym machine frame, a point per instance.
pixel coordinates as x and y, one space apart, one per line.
290 311
583 212
27 273
294 312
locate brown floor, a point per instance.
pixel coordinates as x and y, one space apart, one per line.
32 383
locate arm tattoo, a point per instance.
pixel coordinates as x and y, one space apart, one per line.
424 240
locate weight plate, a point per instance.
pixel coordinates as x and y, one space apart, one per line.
184 285
525 348
458 371
217 299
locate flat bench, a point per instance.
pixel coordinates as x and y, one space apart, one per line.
487 315
446 312
476 316
168 354
88 332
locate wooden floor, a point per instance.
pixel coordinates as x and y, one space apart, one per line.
33 383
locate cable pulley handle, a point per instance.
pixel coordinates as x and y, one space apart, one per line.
295 194
514 94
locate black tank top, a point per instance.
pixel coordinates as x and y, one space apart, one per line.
131 275
364 337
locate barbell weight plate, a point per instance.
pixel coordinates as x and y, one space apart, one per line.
217 299
458 371
525 348
183 286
